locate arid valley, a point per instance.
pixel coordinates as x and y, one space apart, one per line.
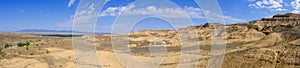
265 43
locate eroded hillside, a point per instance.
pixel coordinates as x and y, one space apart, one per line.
266 43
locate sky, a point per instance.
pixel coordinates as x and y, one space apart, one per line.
59 14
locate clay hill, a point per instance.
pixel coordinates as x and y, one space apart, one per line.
265 43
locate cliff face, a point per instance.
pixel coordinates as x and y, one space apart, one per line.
288 19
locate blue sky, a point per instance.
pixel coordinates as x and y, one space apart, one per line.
58 14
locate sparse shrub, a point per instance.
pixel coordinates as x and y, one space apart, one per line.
7 45
1 49
47 51
27 48
2 53
27 43
23 44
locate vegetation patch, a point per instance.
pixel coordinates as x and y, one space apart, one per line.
23 44
8 45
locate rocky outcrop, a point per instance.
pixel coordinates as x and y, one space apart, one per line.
279 48
288 19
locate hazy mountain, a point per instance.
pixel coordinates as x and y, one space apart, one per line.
52 31
43 30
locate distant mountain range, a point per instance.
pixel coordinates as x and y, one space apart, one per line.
51 31
43 30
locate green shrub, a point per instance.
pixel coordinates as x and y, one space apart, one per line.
47 51
27 43
23 44
7 45
1 52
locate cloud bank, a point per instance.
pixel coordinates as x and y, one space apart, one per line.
296 6
273 5
186 12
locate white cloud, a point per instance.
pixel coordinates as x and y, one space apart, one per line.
296 6
163 12
71 2
251 0
272 5
85 15
279 9
191 12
